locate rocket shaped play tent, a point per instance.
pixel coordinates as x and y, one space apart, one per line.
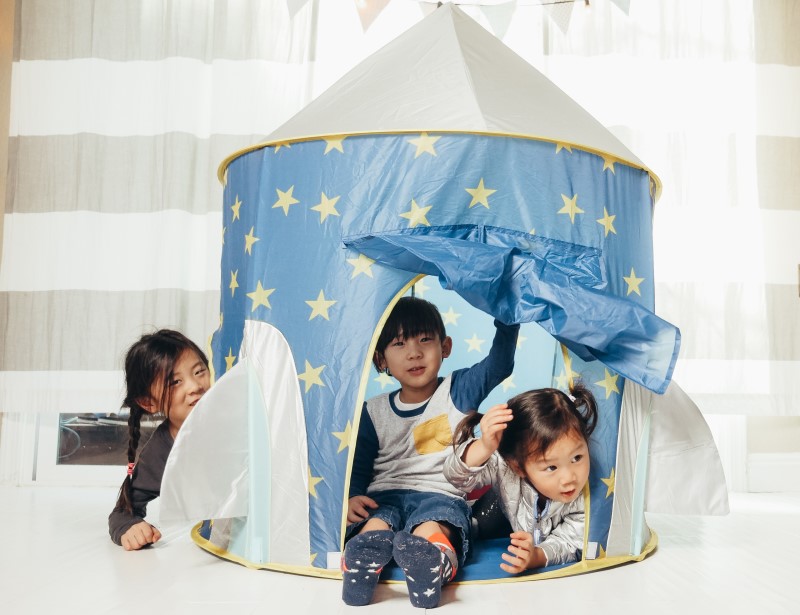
448 156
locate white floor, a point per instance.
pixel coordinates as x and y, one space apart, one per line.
56 558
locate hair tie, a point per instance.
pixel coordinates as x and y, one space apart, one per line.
571 397
130 469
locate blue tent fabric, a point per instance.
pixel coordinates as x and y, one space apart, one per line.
516 286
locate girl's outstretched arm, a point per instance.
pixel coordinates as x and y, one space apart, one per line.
140 535
492 425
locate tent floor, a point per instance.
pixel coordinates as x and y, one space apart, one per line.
57 558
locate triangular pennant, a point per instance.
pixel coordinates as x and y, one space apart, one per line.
624 5
499 16
560 14
368 11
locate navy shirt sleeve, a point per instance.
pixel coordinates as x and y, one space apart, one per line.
472 385
366 452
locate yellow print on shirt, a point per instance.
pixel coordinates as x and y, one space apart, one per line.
433 435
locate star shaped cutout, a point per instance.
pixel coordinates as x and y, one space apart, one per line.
230 359
609 483
362 264
416 215
260 296
319 306
608 163
607 222
249 240
313 481
508 383
334 143
450 317
566 146
633 283
474 343
384 380
285 200
570 207
480 195
424 144
234 284
344 437
562 380
312 376
326 207
609 383
235 208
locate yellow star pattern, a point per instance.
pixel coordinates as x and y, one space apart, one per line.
560 146
508 383
601 552
278 146
230 359
234 284
249 240
607 222
480 195
235 208
570 207
319 307
326 207
416 215
362 264
450 317
260 296
633 283
420 288
609 483
562 380
285 200
474 343
385 380
608 163
344 437
424 144
311 376
313 481
609 383
334 143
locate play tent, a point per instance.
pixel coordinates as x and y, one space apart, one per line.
444 155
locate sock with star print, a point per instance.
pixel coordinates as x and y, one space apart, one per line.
421 561
364 557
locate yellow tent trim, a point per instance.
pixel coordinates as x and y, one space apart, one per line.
223 167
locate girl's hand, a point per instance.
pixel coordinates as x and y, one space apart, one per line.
357 508
493 424
522 554
140 535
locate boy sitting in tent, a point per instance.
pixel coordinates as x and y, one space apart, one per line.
400 504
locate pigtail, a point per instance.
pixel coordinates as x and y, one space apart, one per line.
583 398
125 499
466 428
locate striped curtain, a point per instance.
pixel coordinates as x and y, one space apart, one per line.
121 113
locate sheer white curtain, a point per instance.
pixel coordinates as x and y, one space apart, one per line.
120 114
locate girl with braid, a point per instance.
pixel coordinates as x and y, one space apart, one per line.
165 373
534 451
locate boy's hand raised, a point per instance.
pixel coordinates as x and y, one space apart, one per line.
357 508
